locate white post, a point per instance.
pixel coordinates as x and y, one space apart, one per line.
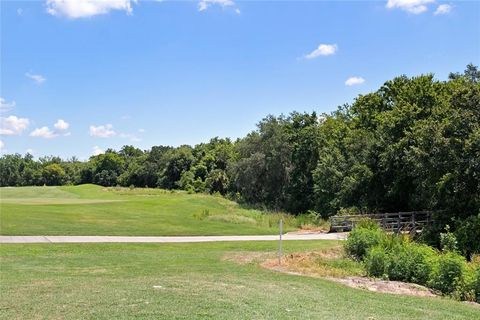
280 243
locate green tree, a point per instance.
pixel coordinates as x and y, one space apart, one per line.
53 175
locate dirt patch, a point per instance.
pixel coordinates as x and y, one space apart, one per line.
383 286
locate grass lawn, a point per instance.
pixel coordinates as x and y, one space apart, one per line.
94 210
193 281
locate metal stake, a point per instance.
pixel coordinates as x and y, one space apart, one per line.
280 243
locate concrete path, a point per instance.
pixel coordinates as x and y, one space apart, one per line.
123 239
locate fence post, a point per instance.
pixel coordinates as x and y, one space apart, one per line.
398 222
280 243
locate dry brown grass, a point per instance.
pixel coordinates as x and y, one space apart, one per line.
322 263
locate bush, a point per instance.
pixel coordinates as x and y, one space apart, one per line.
422 259
401 260
476 287
364 236
411 262
396 257
376 262
448 240
449 273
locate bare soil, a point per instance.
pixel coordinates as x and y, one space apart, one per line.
384 286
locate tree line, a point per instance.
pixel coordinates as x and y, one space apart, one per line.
413 144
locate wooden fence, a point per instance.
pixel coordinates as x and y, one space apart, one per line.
393 222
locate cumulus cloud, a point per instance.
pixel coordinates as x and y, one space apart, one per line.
6 106
2 145
103 131
74 9
322 50
12 125
43 132
37 78
352 81
61 125
443 9
97 150
411 6
30 151
205 4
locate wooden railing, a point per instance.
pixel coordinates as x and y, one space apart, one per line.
393 222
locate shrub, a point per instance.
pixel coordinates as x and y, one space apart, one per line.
411 262
364 236
421 263
465 289
449 273
448 240
398 259
376 262
476 286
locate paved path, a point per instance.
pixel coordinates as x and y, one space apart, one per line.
123 239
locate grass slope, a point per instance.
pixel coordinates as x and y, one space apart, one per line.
194 281
94 210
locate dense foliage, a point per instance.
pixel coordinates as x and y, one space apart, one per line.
413 144
395 257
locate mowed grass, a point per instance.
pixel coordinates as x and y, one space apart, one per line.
187 281
94 210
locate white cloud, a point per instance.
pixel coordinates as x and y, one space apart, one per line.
141 130
322 50
6 106
97 151
43 132
38 78
205 4
61 125
19 11
2 145
105 131
411 6
29 150
354 81
12 125
443 9
75 9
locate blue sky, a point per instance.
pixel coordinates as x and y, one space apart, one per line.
180 72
